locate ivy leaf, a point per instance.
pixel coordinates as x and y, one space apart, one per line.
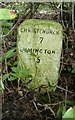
69 114
7 14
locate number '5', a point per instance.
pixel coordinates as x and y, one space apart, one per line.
38 60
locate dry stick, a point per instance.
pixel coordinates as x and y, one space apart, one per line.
6 65
61 11
64 89
59 6
1 91
73 15
52 104
66 95
73 20
36 107
48 107
49 97
64 63
61 62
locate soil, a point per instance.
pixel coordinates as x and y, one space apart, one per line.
25 104
18 105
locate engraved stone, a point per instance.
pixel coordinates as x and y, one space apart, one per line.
39 50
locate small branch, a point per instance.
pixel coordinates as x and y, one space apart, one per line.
48 107
52 104
66 94
49 97
36 108
6 60
64 89
35 105
73 15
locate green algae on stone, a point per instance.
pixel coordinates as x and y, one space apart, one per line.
39 47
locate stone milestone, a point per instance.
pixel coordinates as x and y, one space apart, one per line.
39 47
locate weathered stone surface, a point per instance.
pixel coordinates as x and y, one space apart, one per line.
39 49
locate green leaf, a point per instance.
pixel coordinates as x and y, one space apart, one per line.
64 110
26 73
9 64
14 75
0 58
69 114
7 14
5 30
12 78
74 112
7 55
68 102
73 71
15 69
4 23
15 63
4 77
59 112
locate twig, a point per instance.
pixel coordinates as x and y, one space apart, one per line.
52 104
73 15
18 83
48 107
64 89
35 105
49 97
36 108
61 11
66 94
7 88
6 67
6 60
